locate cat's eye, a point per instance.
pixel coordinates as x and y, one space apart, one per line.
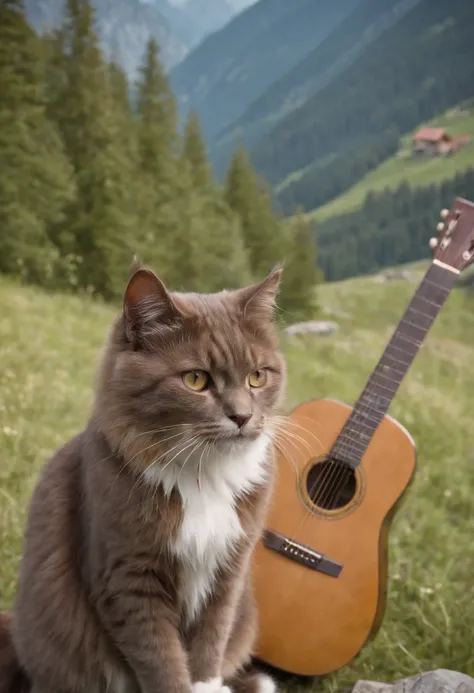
258 378
196 380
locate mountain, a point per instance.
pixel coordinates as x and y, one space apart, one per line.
420 66
125 25
239 5
192 20
233 66
363 25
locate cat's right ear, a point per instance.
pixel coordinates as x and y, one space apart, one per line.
147 303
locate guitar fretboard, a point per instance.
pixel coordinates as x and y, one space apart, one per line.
397 358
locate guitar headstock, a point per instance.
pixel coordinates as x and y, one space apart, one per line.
454 245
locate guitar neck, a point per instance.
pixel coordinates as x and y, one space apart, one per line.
397 358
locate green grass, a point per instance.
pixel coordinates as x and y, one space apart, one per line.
402 167
49 348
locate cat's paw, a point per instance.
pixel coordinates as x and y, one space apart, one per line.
265 684
211 686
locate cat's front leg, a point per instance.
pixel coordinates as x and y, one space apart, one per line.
144 628
209 635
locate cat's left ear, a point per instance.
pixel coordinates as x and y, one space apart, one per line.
258 301
146 301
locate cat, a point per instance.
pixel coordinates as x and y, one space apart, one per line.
135 574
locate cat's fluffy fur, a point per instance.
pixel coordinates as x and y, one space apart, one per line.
135 576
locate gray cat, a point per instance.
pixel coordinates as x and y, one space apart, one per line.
136 564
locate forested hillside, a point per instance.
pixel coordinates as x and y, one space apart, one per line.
392 227
421 66
403 167
88 179
233 66
363 25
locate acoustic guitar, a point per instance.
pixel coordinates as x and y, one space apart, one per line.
320 570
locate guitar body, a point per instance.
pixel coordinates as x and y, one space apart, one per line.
320 569
312 623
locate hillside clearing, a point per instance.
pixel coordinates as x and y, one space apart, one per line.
49 347
403 168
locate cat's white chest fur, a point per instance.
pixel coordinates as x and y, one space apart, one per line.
211 525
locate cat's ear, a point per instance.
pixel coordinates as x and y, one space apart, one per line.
146 302
258 301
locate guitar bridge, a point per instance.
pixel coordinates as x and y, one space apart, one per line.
300 553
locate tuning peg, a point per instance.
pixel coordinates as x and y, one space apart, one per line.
440 226
433 243
444 213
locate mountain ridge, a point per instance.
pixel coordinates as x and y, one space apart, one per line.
124 26
383 91
232 66
348 38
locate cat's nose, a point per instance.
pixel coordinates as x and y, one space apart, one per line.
240 419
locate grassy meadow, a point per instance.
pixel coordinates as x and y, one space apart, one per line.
49 347
403 167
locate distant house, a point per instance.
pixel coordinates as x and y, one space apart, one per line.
436 142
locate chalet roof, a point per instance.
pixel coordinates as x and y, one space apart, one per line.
430 135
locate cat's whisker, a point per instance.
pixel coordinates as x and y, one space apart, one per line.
294 437
286 421
305 431
289 459
162 429
189 443
165 454
196 447
308 418
155 444
284 443
203 452
143 478
283 436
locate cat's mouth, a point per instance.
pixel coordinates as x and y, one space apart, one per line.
240 435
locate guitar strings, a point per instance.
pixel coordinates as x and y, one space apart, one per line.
347 445
336 480
330 477
330 481
340 470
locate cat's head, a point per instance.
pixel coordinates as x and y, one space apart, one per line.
182 369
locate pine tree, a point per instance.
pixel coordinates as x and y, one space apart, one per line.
157 122
262 231
301 274
194 152
121 93
161 184
102 220
35 178
221 260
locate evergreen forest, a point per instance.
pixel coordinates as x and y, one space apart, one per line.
95 171
392 227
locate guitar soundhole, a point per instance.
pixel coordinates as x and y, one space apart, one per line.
331 484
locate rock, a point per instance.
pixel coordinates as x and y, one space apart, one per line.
437 681
390 275
336 312
313 327
371 687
